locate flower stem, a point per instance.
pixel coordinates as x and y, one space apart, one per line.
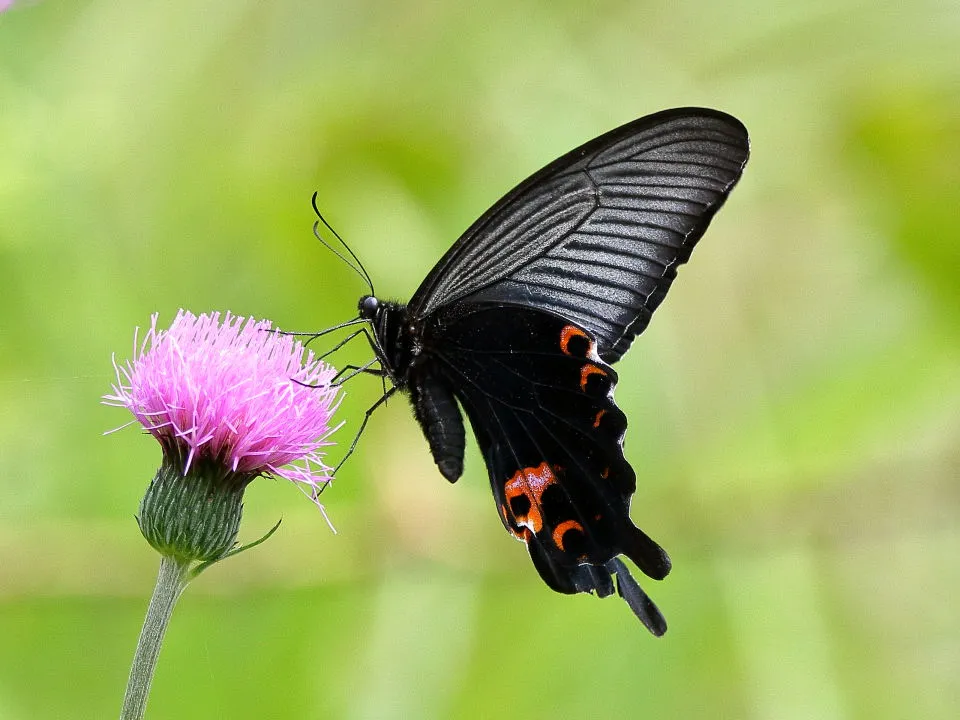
171 581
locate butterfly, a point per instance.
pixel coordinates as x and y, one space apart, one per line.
520 322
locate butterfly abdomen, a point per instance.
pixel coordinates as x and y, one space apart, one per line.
439 416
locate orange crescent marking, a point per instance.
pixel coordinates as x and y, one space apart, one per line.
605 474
586 372
596 420
562 528
568 333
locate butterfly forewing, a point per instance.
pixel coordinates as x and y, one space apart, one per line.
597 235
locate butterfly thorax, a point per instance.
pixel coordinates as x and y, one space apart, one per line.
396 342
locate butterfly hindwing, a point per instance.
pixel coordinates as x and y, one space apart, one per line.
540 401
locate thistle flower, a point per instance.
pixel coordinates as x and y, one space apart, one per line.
228 401
230 398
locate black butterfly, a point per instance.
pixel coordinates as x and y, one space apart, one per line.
519 324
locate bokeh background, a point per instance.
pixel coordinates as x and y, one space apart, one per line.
793 406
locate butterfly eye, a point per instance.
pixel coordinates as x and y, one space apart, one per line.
368 307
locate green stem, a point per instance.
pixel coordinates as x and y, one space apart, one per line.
171 581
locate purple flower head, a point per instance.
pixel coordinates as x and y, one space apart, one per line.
227 395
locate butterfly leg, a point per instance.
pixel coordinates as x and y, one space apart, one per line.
363 424
351 371
339 380
362 331
358 368
314 335
339 345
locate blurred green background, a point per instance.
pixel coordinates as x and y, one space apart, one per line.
793 407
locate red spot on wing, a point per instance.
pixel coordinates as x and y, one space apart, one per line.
568 333
598 418
586 371
530 483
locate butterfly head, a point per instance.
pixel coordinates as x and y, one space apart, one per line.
369 307
393 339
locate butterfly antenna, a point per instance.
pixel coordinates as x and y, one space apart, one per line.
328 246
358 267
